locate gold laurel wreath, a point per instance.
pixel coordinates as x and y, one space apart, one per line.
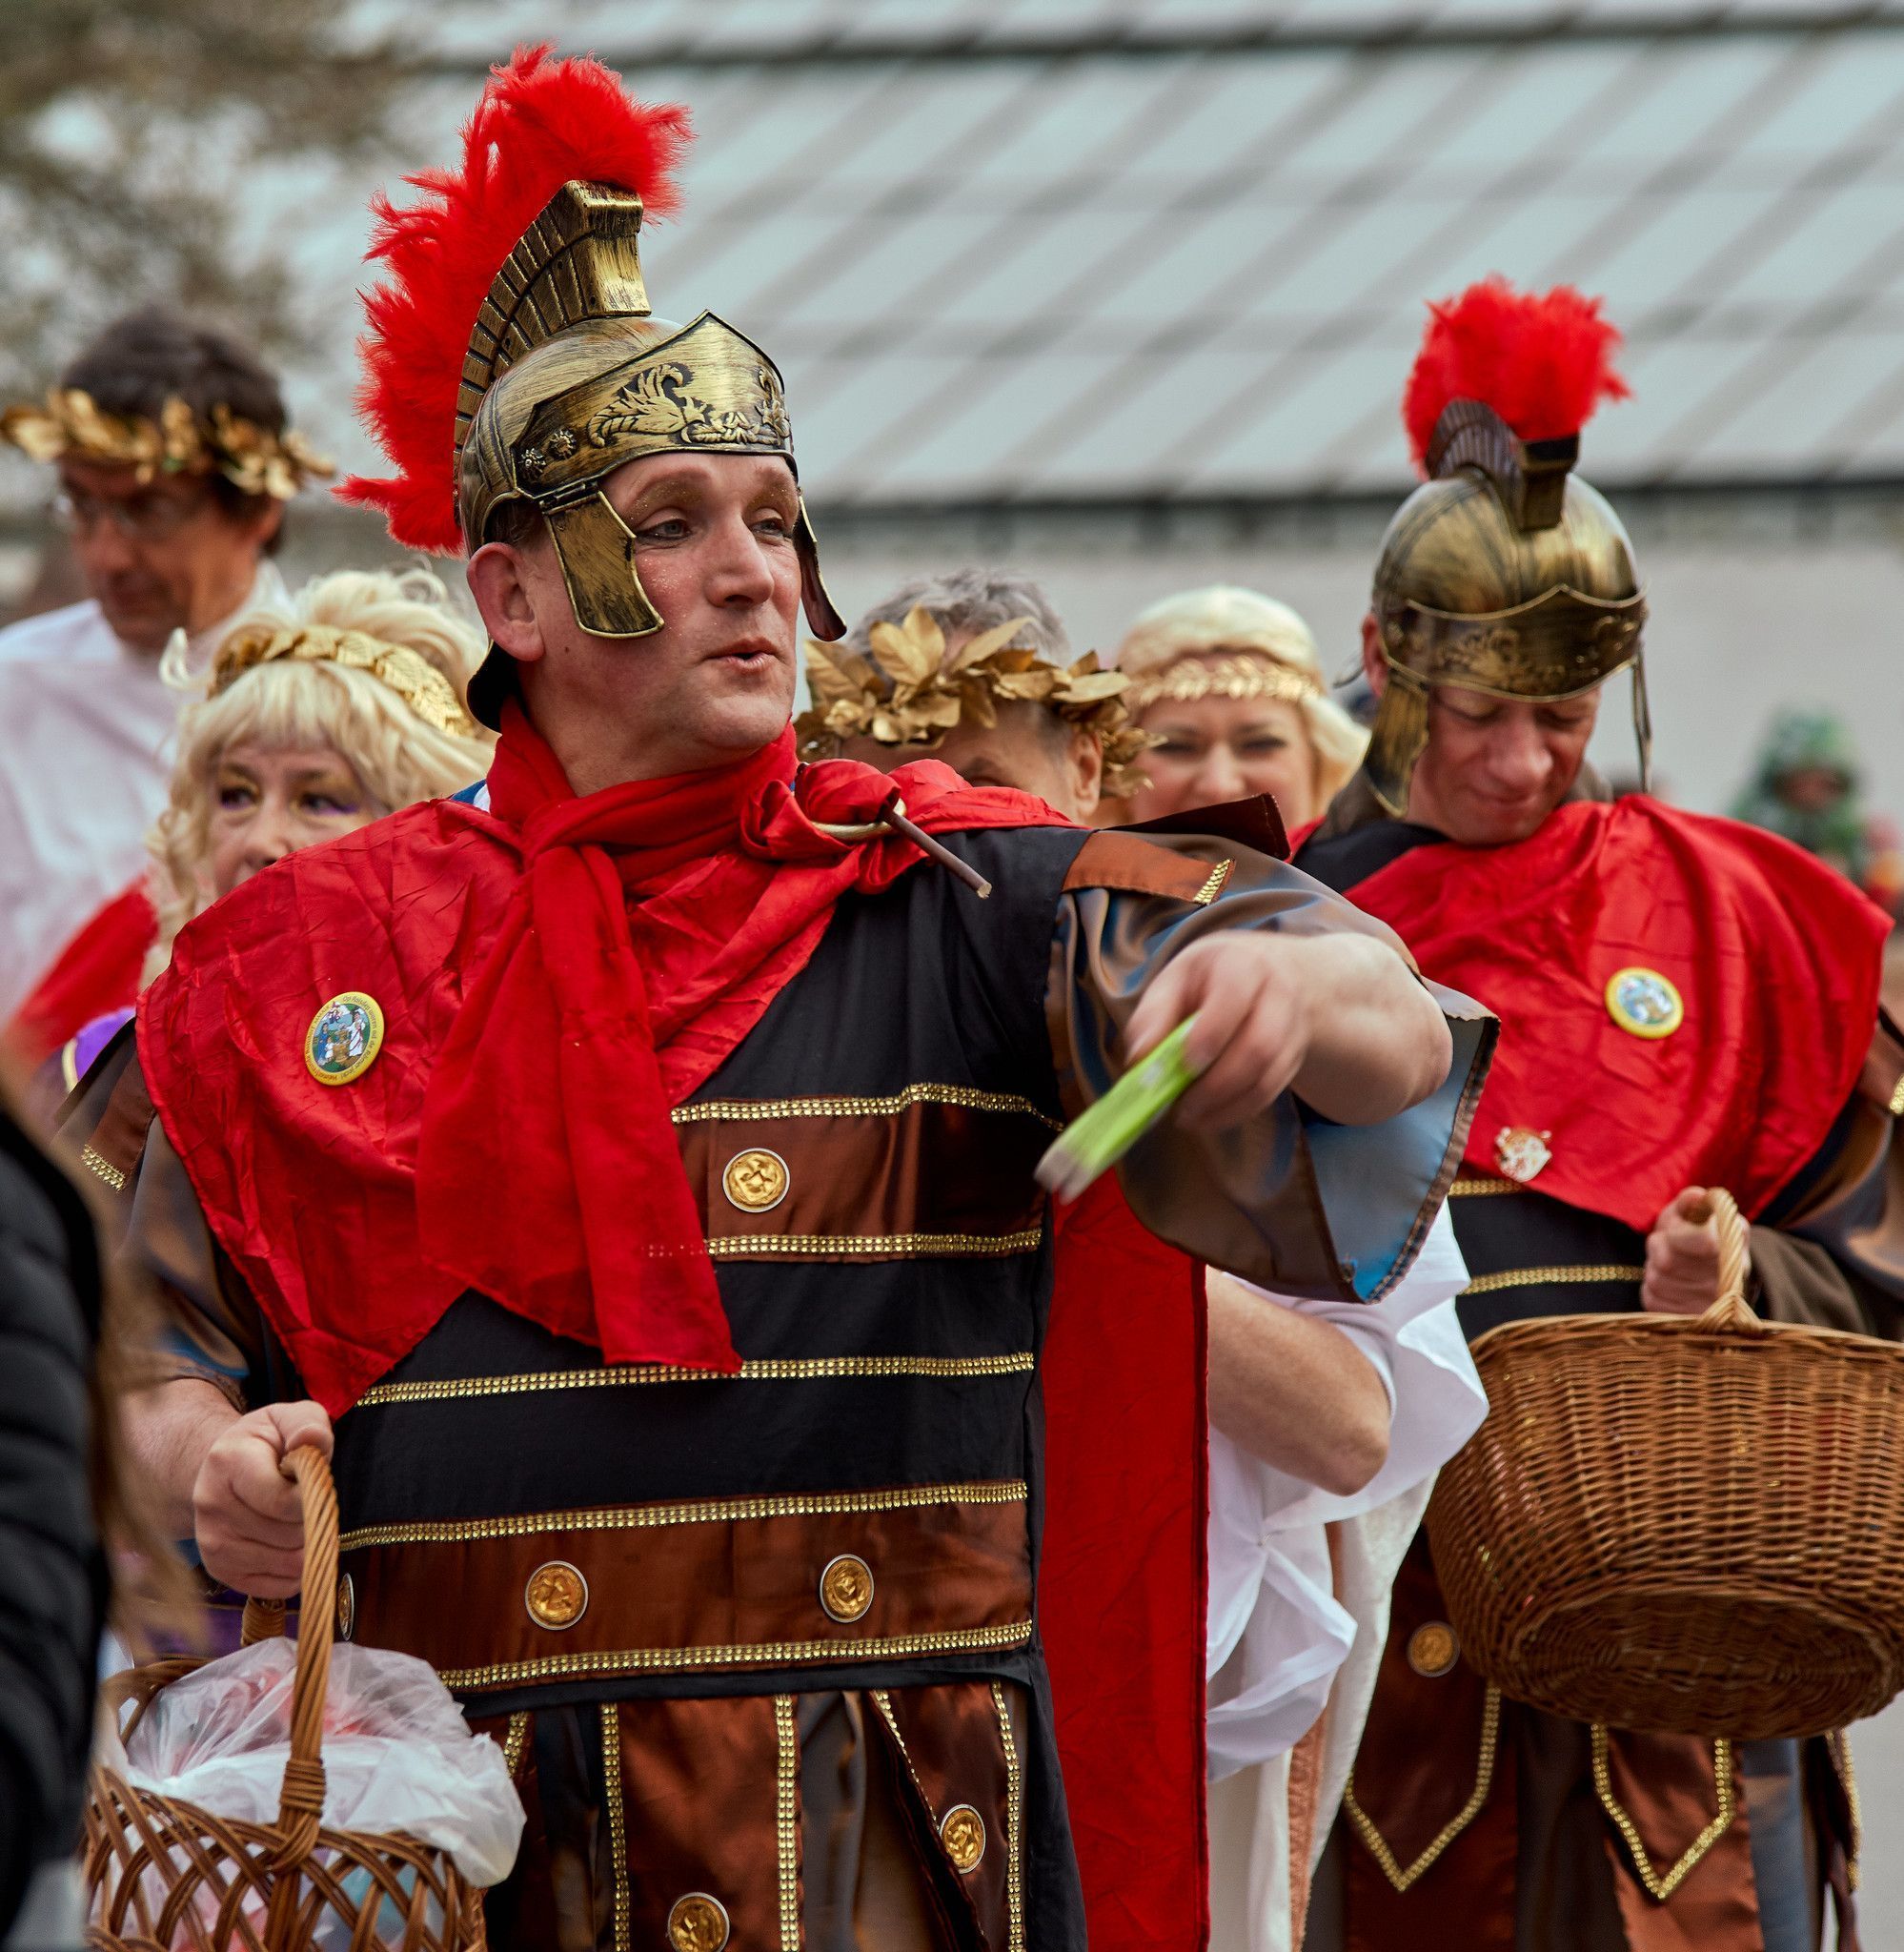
1240 674
253 460
412 676
909 693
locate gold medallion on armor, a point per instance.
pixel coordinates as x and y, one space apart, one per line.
1521 1153
846 1589
756 1180
698 1924
1433 1649
1644 1002
962 1833
344 1038
347 1606
556 1596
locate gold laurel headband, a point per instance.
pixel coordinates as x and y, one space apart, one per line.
253 460
1243 675
412 676
908 692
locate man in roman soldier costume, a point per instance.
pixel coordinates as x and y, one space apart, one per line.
629 1168
1686 1002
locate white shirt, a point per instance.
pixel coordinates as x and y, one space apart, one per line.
1280 1638
86 751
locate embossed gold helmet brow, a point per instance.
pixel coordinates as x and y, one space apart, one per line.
524 271
1504 572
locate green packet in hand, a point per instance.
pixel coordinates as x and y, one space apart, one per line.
1098 1138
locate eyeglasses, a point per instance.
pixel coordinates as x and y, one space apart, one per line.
143 518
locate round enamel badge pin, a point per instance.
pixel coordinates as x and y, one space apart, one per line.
344 1038
1644 1002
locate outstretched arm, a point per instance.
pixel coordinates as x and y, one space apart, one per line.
1339 1019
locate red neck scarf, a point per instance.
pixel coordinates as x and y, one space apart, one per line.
652 925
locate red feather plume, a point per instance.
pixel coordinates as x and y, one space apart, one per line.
540 124
1542 362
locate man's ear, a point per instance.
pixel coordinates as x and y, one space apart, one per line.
1085 762
499 583
1374 667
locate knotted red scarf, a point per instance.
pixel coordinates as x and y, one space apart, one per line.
652 923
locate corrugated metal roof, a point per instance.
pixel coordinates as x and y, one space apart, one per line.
1140 250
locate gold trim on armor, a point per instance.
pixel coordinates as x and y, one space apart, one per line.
553 1667
1213 886
1468 1185
618 1820
1661 1889
514 1740
1377 1845
1014 1825
803 1369
816 1504
787 1819
98 1163
741 1246
1536 1277
1896 1105
701 1110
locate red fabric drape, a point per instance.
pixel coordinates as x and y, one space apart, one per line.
1776 958
1124 1585
97 973
553 975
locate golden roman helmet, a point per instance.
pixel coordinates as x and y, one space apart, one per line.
1504 572
564 374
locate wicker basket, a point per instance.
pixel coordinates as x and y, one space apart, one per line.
1694 1526
165 1876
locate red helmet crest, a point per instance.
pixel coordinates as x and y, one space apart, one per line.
1541 361
540 124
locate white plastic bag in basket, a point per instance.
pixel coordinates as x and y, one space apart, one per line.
398 1754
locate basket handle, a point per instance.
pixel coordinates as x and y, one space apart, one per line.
301 1800
1732 1309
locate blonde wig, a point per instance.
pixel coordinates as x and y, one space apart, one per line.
1228 643
372 664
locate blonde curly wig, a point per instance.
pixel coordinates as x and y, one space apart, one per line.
399 757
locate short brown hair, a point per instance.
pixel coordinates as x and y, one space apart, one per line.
147 358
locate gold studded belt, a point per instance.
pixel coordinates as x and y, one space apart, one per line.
713 1585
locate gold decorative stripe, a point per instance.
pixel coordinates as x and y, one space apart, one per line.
1014 1825
618 1820
904 1497
551 1667
787 1819
1213 886
97 1162
737 1246
803 1369
1661 1887
514 1742
1896 1106
1537 1278
883 1702
704 1110
1467 1185
68 1065
1377 1845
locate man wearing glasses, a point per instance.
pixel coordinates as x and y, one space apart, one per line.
173 466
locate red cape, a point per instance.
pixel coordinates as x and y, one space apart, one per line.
1124 1577
97 973
1776 958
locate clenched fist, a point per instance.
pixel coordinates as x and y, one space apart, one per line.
1682 1258
247 1511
